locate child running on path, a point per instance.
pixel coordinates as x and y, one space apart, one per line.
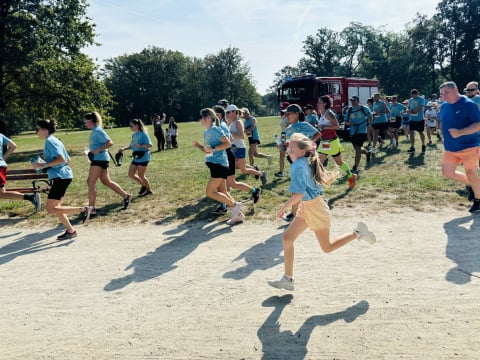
308 178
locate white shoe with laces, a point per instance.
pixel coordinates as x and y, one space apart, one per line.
283 283
364 234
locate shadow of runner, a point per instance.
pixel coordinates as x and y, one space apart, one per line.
293 346
259 257
463 248
164 258
30 244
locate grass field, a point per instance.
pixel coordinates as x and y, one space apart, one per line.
395 180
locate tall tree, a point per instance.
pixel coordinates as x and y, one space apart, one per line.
42 70
322 53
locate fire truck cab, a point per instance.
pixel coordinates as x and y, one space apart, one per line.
307 89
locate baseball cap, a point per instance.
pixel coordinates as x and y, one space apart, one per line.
355 98
231 107
284 105
222 102
293 108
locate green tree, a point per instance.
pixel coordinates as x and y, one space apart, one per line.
42 70
322 53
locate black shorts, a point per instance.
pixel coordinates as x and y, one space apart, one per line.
59 188
217 171
381 126
395 124
358 139
142 163
102 164
417 125
251 141
231 162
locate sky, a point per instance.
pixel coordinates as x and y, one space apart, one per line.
268 33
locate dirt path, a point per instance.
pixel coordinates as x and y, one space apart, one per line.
198 291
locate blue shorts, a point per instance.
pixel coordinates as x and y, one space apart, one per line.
240 153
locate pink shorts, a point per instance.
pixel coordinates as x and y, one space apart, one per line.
3 176
315 213
468 157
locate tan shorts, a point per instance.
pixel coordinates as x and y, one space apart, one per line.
315 213
468 157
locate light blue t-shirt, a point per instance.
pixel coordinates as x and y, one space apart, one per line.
312 119
416 104
52 149
396 109
302 181
255 135
358 119
4 141
300 127
213 137
458 116
98 138
141 138
379 108
476 100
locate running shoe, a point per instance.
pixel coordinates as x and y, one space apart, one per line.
424 148
411 150
67 235
364 234
85 214
37 202
126 201
289 217
220 210
142 190
475 208
279 174
352 181
284 283
256 194
263 177
256 176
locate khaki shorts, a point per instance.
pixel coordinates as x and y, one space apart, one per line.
315 213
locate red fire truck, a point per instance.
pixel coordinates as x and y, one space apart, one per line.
307 89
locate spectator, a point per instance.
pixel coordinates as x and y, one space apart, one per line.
172 131
158 131
472 92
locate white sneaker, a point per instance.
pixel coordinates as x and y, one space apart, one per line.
283 283
240 218
236 209
364 234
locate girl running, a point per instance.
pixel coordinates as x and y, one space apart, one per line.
308 176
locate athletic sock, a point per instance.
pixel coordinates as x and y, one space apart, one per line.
346 168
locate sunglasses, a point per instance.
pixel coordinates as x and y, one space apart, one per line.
471 89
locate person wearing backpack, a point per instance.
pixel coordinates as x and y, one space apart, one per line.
358 117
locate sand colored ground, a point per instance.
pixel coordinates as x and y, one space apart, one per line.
199 291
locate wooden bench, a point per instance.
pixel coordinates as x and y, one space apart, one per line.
40 182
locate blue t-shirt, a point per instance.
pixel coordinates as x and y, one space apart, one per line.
396 109
312 119
459 116
416 104
358 119
379 108
141 138
3 142
302 181
98 138
248 123
300 127
476 100
213 137
52 149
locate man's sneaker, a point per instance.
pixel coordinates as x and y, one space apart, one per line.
475 208
364 234
256 176
256 194
263 177
369 156
126 201
220 210
236 209
237 219
471 194
411 150
283 283
289 217
279 174
66 235
142 190
85 214
36 201
352 181
424 148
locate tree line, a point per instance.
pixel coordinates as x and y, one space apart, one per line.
44 74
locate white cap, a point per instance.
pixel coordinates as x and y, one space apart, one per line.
231 107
